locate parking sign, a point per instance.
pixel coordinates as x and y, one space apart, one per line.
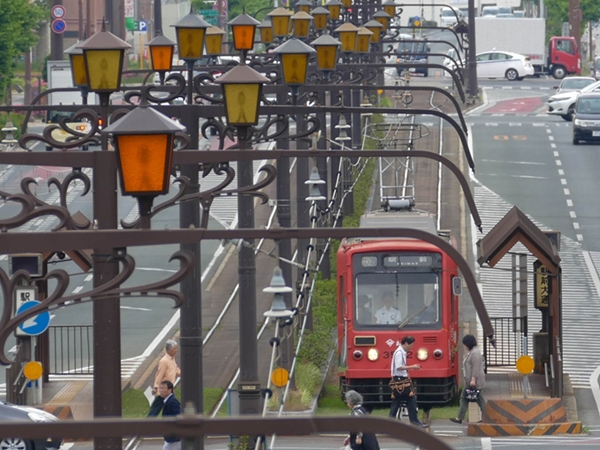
143 26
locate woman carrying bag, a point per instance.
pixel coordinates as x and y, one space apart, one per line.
474 378
359 441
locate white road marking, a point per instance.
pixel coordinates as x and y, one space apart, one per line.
486 443
567 192
573 215
515 162
569 202
134 308
576 225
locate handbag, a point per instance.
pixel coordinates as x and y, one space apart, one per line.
402 388
471 394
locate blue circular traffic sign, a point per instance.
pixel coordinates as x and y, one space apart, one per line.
34 325
59 26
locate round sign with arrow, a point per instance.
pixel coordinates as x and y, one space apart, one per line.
34 325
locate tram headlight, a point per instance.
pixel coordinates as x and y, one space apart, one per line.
357 354
422 354
437 353
373 354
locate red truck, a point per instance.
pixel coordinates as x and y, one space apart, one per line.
527 36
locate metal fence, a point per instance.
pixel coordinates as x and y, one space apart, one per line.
509 333
71 350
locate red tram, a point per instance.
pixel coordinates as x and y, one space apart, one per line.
387 289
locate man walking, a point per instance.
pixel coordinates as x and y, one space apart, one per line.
171 408
400 372
167 371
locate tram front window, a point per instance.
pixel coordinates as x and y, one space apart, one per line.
391 299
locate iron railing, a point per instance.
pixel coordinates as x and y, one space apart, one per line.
71 350
509 333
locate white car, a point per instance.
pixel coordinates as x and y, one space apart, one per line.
496 64
563 104
573 84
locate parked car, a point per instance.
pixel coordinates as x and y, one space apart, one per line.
596 69
496 64
586 119
573 84
10 412
563 104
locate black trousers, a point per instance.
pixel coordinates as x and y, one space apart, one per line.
411 405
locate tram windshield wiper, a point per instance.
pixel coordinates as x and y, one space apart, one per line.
417 314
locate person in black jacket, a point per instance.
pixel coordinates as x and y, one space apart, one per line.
359 441
171 408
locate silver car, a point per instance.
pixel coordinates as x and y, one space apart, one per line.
563 104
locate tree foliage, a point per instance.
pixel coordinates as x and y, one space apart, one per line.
252 7
558 13
18 33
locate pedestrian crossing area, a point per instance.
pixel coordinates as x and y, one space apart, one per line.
128 368
580 299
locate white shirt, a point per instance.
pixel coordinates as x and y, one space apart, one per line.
399 360
388 316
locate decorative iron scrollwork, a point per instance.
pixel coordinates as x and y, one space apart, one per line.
110 289
75 139
32 206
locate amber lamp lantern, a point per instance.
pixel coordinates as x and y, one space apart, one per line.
280 18
242 88
103 55
347 33
374 27
161 54
334 7
303 6
265 28
363 39
320 17
301 24
213 40
190 30
294 55
390 8
144 141
383 18
327 48
243 28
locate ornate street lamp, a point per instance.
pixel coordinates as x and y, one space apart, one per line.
190 30
347 3
294 55
280 17
103 56
375 27
214 40
334 7
301 24
327 48
390 7
347 33
320 17
243 28
144 141
242 88
363 39
303 6
161 54
78 70
383 18
265 28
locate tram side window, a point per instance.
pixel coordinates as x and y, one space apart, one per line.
390 299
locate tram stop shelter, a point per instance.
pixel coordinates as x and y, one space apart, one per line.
526 416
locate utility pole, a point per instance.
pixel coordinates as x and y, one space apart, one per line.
575 17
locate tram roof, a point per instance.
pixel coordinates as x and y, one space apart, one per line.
419 220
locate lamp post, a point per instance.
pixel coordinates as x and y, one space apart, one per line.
190 30
103 56
280 17
390 7
303 5
321 17
144 141
265 29
334 7
161 55
78 70
214 40
243 28
383 18
375 27
242 87
294 55
347 33
301 24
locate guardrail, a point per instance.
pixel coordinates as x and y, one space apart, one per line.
71 350
509 333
